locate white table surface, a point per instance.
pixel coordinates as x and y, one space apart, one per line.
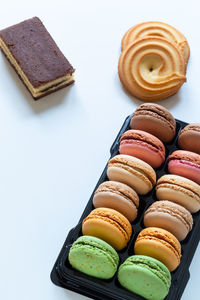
54 150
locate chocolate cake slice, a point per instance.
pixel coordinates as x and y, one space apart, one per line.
35 56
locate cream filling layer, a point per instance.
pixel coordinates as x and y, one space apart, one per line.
36 92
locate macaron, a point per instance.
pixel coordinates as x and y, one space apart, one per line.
93 257
189 138
145 276
155 119
108 225
144 146
159 244
186 164
170 216
118 196
180 190
132 171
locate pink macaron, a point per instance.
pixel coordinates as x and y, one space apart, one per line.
186 164
144 146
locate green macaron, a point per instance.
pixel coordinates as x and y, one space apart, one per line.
93 257
145 276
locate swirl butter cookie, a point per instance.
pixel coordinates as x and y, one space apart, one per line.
157 29
152 68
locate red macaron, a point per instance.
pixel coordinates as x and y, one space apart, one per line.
144 146
186 164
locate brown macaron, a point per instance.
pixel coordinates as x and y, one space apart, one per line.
189 138
118 196
154 119
169 216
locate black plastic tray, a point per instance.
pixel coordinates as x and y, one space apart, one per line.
65 276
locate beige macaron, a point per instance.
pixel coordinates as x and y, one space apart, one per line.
132 171
180 190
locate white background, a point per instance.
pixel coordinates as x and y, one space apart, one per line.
53 151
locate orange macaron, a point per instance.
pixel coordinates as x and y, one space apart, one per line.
108 225
160 244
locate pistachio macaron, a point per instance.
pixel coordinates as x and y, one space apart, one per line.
93 257
145 276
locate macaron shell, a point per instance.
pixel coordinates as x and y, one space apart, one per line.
108 225
118 196
179 190
186 155
154 119
93 257
145 276
169 216
159 244
189 138
133 172
144 146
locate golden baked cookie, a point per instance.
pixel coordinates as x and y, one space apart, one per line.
152 68
157 29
